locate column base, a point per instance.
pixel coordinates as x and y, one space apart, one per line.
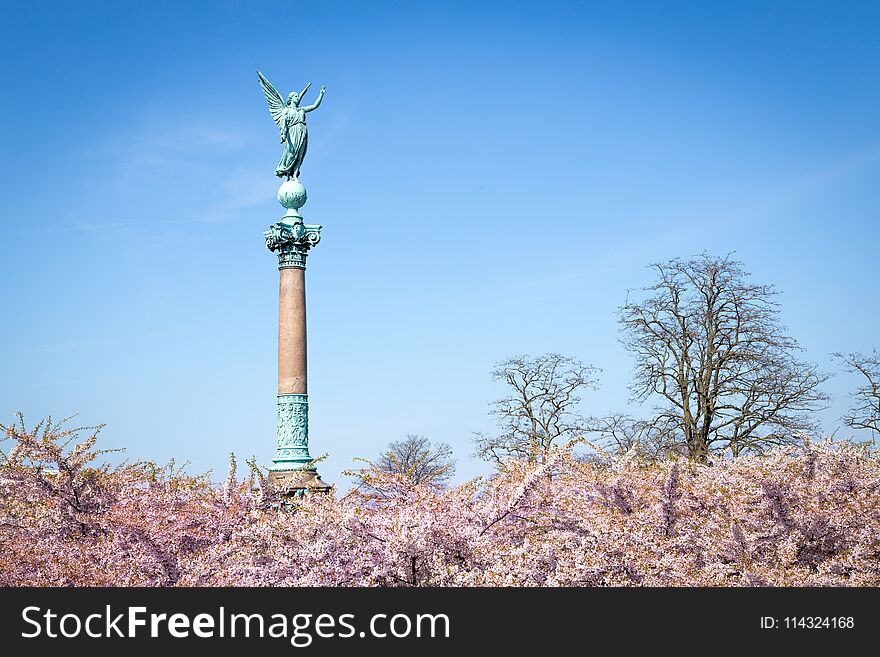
292 434
292 483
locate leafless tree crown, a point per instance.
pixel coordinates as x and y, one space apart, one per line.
419 460
656 438
708 344
541 406
865 412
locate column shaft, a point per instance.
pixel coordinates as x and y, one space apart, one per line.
292 361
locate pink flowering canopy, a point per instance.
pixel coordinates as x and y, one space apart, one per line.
796 516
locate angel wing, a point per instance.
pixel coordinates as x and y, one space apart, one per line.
276 104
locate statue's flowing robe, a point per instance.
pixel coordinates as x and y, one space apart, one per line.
296 140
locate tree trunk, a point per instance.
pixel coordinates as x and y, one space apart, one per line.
698 449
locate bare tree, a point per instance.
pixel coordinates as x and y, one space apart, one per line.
653 439
709 344
414 458
865 413
540 409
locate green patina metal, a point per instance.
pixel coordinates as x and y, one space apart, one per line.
292 242
290 117
292 449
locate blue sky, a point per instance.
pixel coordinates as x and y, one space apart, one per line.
491 178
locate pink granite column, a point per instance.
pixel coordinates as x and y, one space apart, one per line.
292 367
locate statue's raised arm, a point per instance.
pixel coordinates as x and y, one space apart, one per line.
317 103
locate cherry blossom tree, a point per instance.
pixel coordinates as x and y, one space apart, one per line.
797 515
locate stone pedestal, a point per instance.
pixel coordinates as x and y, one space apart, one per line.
291 239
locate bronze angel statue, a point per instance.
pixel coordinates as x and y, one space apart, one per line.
291 120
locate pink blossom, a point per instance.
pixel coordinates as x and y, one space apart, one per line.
805 516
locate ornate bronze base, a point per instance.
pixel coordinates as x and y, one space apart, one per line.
293 483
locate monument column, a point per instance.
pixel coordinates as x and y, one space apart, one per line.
292 469
291 239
